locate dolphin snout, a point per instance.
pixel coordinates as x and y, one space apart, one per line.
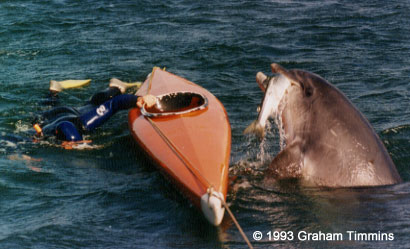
260 79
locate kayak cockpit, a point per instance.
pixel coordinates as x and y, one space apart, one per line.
176 103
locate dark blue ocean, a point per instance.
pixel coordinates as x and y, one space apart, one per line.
110 196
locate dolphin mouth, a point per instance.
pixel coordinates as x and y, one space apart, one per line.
263 80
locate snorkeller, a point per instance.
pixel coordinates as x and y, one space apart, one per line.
69 124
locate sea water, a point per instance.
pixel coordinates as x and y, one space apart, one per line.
110 196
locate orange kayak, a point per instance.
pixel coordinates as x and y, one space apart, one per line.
189 139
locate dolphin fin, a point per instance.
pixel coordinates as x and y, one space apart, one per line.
255 128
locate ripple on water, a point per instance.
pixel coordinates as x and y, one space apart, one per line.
110 196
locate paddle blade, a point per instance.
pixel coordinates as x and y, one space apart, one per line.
134 84
66 84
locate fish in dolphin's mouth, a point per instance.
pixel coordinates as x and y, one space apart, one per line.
275 90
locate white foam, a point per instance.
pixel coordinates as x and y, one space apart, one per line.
6 143
20 127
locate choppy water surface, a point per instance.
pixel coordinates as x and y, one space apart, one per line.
110 196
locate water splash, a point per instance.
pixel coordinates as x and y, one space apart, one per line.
87 146
21 127
279 123
264 154
9 144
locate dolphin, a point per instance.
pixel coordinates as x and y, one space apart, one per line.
328 142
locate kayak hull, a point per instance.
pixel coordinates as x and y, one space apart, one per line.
192 150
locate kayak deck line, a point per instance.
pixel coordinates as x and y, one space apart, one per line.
202 135
212 203
211 206
184 160
191 149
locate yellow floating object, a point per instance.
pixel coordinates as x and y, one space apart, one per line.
37 128
65 84
123 86
58 86
134 84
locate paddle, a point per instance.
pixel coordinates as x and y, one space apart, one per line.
58 86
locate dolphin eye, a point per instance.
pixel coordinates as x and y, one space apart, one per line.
308 91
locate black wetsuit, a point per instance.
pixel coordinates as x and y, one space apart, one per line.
69 124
